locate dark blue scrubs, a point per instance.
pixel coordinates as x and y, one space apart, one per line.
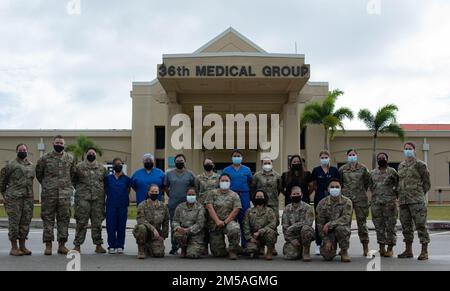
117 202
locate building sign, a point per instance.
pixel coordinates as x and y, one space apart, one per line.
242 71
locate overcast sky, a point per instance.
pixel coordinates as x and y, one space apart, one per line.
62 70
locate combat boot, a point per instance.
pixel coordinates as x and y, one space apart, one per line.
100 250
408 251
269 253
424 253
232 255
48 249
183 252
23 248
62 250
141 252
345 258
15 251
306 253
382 250
390 251
365 245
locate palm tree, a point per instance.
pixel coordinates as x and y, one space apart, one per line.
324 113
384 121
81 145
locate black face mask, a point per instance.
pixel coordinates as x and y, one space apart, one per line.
382 163
118 168
148 165
22 155
91 157
208 167
153 197
259 201
179 165
58 148
296 167
296 199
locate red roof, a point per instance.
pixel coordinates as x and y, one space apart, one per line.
426 127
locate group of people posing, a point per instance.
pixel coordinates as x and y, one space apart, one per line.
202 210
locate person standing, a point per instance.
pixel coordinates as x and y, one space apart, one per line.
146 176
296 176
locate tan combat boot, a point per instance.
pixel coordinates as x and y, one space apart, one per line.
382 250
183 252
365 245
77 249
100 250
48 249
345 258
141 252
23 248
408 251
390 251
269 253
306 253
424 253
232 255
62 250
15 251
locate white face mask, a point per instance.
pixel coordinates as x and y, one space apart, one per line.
267 167
334 192
225 185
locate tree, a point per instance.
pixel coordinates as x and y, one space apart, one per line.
324 113
384 121
81 145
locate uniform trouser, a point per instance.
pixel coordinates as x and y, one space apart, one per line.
145 237
268 238
414 215
116 224
245 201
55 208
20 214
384 218
194 244
304 234
361 212
339 235
173 242
217 239
316 203
85 210
276 210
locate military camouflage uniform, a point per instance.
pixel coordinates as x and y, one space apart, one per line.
55 171
355 182
89 183
383 185
223 204
269 182
16 186
152 215
191 217
297 221
413 185
339 216
263 221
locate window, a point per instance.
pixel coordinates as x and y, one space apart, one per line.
160 164
160 137
303 139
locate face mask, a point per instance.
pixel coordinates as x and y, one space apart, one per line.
118 168
191 199
225 185
22 155
335 192
259 201
352 159
179 165
382 163
324 162
58 148
91 157
237 160
409 153
267 168
208 167
153 197
296 199
148 165
296 167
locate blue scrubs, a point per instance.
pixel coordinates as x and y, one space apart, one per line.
240 181
141 180
117 202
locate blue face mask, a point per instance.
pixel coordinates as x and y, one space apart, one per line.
352 159
324 162
191 199
334 192
237 160
409 153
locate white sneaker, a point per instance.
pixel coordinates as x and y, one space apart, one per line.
120 251
317 251
112 251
